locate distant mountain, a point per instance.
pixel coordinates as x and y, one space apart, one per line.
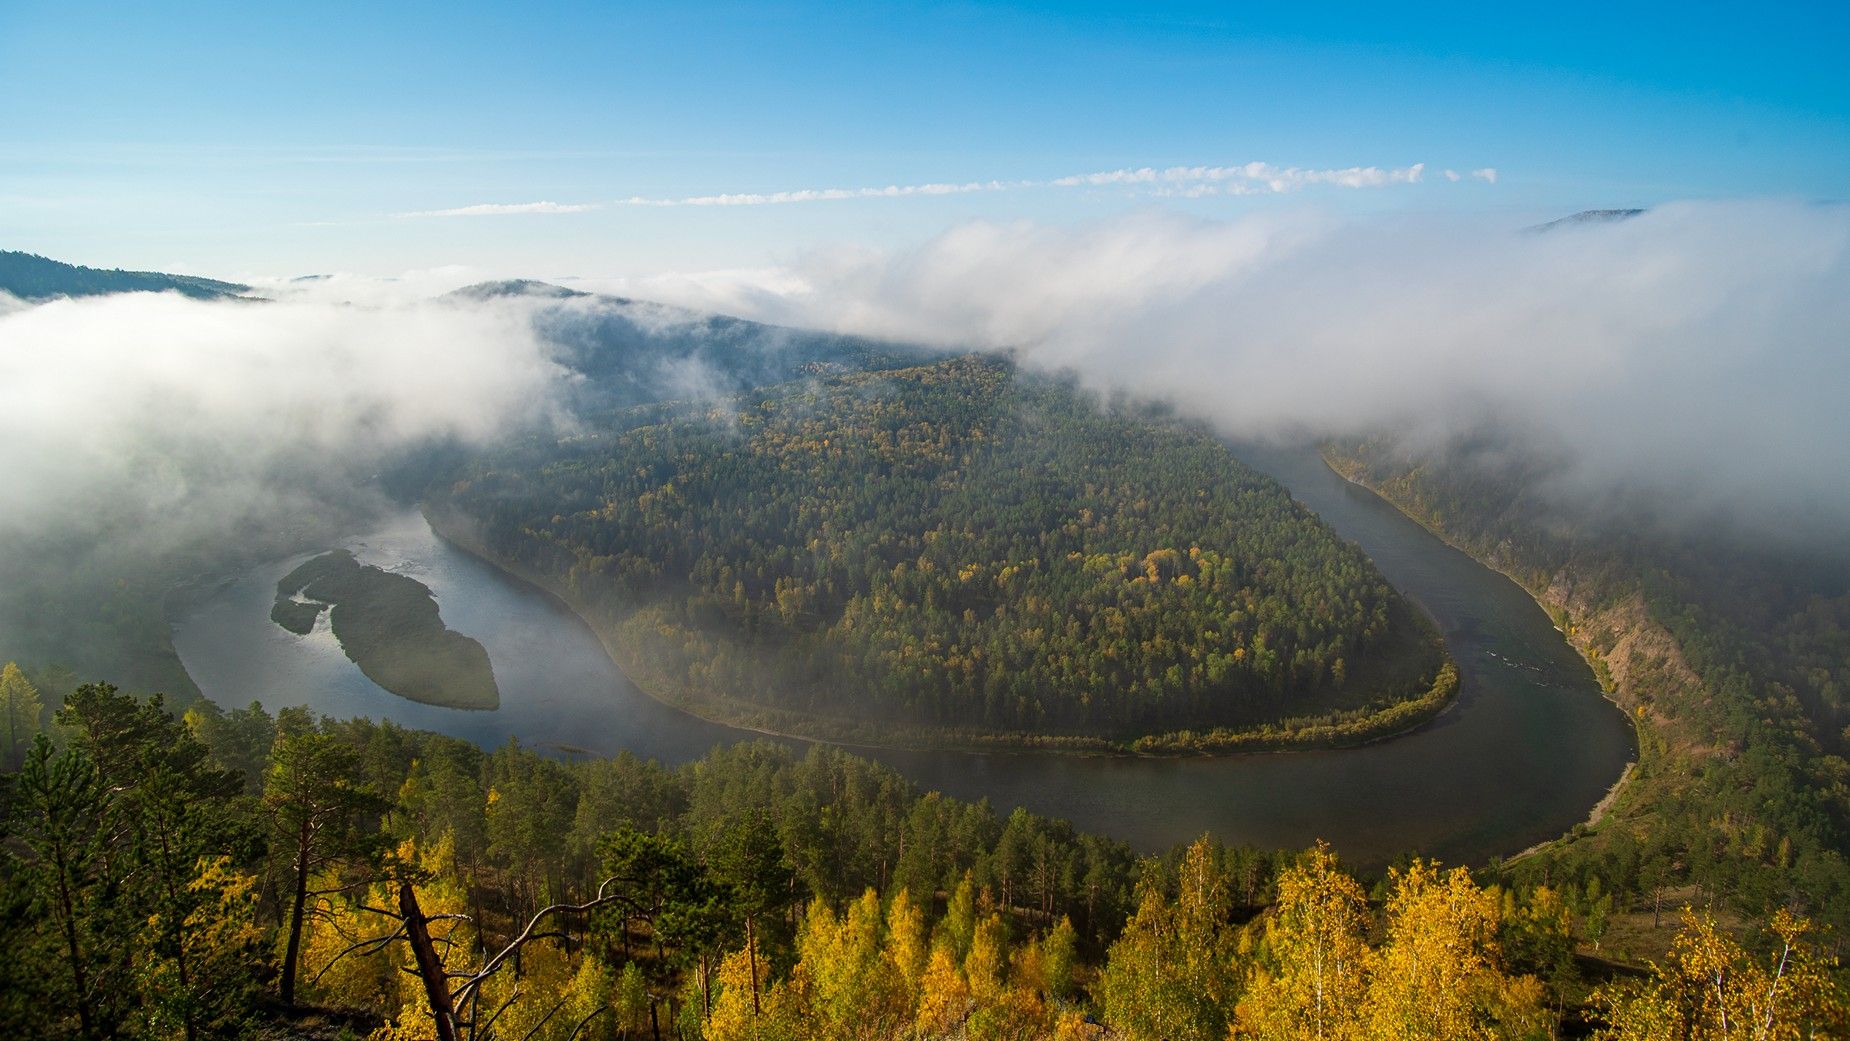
634 352
514 287
32 277
1587 217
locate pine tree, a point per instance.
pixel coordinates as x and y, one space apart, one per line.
64 818
315 800
21 711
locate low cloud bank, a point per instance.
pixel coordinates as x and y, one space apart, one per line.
148 420
1698 353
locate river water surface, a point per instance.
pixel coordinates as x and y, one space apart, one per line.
1527 750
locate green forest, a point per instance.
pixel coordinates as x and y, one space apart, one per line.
955 548
29 276
230 874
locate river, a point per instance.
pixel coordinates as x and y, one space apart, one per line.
1524 754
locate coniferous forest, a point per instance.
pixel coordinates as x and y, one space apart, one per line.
231 873
957 547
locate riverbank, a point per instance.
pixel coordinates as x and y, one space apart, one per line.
1594 816
1573 634
630 644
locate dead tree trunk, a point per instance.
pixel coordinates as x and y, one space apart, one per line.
430 967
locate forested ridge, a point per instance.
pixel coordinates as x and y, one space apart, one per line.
29 276
1731 658
954 545
233 874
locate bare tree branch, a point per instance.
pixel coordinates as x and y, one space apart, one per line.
604 897
549 1014
377 943
596 1012
486 1027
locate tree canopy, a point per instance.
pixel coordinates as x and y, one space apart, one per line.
955 545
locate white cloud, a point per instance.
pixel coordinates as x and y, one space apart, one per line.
1189 182
1452 176
1696 348
1182 181
1487 174
185 419
891 191
501 209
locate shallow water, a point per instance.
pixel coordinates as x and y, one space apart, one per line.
1527 750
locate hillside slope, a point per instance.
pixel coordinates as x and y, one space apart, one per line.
633 352
105 615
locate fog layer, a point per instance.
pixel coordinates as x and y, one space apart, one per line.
1699 352
151 418
1696 353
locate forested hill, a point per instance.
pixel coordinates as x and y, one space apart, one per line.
954 546
32 277
74 603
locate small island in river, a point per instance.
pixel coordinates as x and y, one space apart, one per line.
389 626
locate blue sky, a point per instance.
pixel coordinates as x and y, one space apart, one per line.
280 139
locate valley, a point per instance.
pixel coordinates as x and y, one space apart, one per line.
970 522
1527 749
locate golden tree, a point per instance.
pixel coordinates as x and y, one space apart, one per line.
1438 977
906 947
20 713
1316 975
742 1013
1710 987
849 988
1170 976
944 994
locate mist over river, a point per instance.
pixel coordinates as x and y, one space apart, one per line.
1529 747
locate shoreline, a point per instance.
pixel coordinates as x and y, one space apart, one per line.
1594 816
1419 712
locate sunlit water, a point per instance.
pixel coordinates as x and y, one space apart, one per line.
1524 754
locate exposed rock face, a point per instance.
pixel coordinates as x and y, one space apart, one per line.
1638 659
